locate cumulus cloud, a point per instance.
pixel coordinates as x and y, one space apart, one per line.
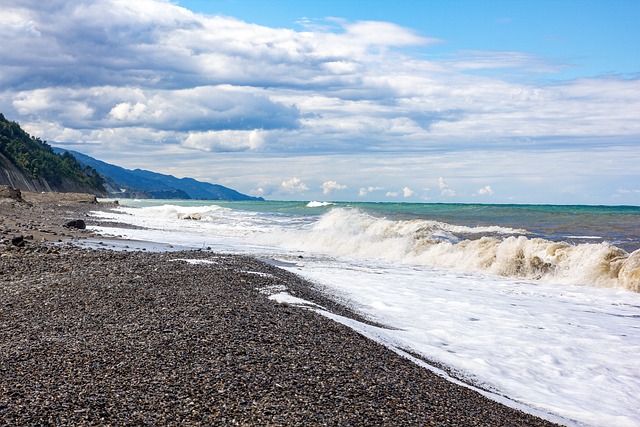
152 64
293 186
485 191
226 140
366 190
407 192
445 190
184 110
329 186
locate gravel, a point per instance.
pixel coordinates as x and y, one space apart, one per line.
97 337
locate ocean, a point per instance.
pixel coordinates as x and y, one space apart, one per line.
534 305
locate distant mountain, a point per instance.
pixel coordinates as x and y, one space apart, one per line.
29 164
138 183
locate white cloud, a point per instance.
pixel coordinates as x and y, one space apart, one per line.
627 191
445 190
226 140
392 194
329 186
486 191
127 111
407 192
366 190
170 69
293 186
383 34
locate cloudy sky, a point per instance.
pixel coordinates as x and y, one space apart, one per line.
404 100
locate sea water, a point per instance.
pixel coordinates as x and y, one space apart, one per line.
537 304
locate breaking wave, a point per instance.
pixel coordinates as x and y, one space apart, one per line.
503 251
495 250
314 204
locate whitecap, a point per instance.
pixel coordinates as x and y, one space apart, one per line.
314 204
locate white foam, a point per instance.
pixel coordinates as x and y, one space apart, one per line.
196 261
430 243
570 351
350 232
314 204
285 297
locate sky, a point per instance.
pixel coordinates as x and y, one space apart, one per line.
454 101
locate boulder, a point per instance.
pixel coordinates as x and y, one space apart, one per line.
76 223
8 192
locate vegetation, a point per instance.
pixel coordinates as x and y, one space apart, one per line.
37 159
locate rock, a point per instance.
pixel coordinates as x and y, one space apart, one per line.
8 192
76 223
17 241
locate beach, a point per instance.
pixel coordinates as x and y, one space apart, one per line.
99 337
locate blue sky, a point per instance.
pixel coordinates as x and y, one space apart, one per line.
437 101
587 37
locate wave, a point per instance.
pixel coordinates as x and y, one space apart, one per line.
495 250
177 212
314 204
503 251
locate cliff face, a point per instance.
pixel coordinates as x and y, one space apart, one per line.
28 164
12 176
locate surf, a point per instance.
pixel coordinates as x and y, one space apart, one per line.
501 251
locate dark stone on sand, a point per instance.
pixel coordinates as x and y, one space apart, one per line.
17 241
76 223
7 192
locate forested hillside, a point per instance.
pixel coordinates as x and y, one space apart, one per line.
30 164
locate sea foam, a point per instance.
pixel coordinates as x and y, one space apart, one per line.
495 250
314 204
351 232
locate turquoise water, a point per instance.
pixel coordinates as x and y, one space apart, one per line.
618 225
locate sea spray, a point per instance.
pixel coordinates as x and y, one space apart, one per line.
495 250
511 252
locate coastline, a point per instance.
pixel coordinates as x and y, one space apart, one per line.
93 336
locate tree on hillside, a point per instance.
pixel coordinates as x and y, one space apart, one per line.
37 159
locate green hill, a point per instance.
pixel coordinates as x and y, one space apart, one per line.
29 164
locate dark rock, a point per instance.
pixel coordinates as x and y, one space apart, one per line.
76 223
17 241
8 192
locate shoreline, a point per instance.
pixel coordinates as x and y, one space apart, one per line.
95 336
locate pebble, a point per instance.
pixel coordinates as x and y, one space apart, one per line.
92 337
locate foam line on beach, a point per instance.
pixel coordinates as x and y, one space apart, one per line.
381 336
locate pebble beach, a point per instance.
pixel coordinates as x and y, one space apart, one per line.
101 337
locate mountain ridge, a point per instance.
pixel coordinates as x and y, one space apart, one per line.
140 183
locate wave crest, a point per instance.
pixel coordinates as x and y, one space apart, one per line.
494 250
314 204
